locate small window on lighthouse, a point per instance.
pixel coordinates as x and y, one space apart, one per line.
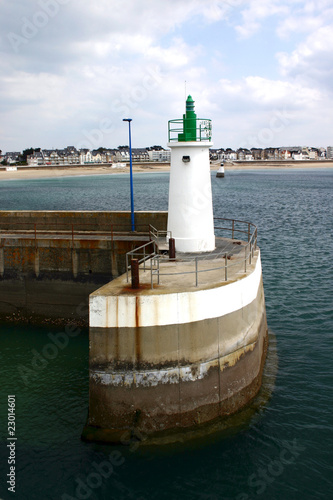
186 159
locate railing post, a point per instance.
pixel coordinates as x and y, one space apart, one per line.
245 257
250 256
196 271
135 273
158 271
144 258
226 267
35 235
248 231
127 267
151 274
73 235
172 249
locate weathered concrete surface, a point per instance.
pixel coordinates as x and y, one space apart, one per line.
162 359
52 280
50 272
82 220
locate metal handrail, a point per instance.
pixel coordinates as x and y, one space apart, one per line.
140 253
66 229
203 128
158 233
249 249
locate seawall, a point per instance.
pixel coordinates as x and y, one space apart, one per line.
50 261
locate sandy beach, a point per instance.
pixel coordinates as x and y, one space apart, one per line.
73 171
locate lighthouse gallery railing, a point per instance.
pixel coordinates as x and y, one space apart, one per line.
202 126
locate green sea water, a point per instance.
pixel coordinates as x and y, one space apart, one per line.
281 449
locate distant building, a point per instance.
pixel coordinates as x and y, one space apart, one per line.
71 156
321 153
140 154
163 155
229 154
213 154
244 155
12 157
285 154
313 153
271 154
122 155
301 155
86 156
54 157
35 159
258 153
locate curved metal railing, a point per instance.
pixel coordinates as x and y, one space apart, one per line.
240 259
202 126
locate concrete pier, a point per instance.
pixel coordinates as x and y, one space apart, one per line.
186 342
50 261
180 354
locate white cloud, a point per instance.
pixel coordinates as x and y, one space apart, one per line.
266 93
298 24
255 14
312 60
98 61
258 112
292 16
306 18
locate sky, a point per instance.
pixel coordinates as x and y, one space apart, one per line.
71 70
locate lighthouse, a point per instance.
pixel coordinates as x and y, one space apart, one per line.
186 343
190 212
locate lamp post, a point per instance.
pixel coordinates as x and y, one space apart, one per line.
131 171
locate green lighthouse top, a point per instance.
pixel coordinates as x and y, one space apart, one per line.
189 104
189 123
193 129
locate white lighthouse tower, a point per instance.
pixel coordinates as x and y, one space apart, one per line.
190 213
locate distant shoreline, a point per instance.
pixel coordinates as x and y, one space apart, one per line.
276 165
27 173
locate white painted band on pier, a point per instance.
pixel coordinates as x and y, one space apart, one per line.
121 311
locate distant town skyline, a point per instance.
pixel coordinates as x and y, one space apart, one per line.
70 155
261 70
